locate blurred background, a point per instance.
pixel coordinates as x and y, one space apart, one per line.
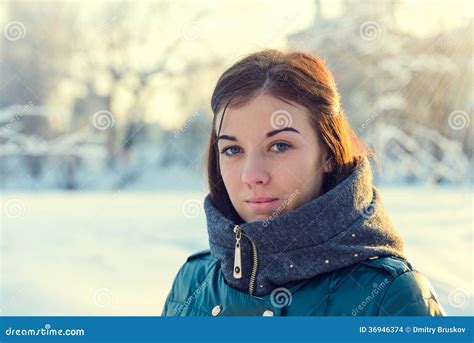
105 115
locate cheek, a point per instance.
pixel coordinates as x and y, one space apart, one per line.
302 171
296 167
230 175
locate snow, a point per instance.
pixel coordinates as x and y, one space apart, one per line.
116 253
65 248
436 226
422 157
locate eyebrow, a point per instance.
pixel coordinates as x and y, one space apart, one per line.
268 135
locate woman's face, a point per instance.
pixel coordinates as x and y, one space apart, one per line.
270 158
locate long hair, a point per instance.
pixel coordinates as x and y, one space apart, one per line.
296 77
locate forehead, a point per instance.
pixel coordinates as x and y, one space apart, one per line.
264 112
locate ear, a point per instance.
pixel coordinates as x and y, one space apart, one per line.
327 165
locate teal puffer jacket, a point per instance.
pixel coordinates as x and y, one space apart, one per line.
384 286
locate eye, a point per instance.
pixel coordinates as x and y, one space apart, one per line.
233 152
280 147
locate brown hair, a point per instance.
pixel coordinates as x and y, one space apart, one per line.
296 77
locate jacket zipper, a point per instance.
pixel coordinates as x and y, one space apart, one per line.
238 258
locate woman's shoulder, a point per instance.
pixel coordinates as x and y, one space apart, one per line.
392 284
202 255
399 274
192 278
200 262
392 265
375 270
195 270
410 292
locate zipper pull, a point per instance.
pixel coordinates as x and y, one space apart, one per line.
237 256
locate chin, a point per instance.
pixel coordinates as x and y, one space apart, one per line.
256 218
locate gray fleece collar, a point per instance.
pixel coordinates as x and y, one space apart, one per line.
342 227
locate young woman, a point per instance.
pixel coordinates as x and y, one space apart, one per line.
295 226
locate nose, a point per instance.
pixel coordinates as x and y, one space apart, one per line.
255 171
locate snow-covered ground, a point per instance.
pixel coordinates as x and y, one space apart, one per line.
117 253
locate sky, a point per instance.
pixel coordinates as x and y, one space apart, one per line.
269 22
236 27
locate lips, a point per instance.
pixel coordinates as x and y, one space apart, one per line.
262 204
260 199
